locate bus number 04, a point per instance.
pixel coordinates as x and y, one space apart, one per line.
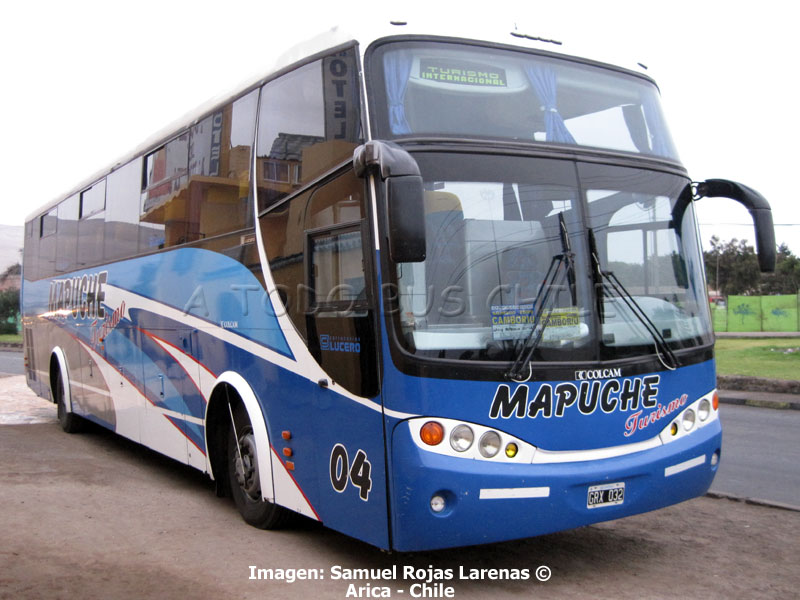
358 473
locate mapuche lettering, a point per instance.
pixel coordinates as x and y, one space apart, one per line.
586 396
81 296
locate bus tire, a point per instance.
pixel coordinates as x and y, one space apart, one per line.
242 466
69 421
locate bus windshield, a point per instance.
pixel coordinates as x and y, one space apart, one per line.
456 90
498 232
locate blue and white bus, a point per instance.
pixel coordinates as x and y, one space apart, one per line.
429 291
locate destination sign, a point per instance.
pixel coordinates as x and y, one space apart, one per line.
459 72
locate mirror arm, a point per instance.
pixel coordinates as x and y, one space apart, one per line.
759 209
385 158
405 197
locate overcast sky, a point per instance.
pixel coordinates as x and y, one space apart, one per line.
84 82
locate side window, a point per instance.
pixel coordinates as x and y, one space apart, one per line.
67 235
317 260
309 121
164 190
219 173
48 223
30 256
122 212
283 232
91 225
336 270
336 266
210 196
93 201
48 226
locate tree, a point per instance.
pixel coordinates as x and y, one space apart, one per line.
732 268
9 309
786 278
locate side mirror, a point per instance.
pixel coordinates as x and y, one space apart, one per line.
405 204
755 203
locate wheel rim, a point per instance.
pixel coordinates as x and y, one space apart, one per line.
246 467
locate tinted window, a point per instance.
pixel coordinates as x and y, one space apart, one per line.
93 200
316 256
284 230
337 269
30 258
91 226
122 211
457 90
47 223
210 197
308 123
163 182
67 235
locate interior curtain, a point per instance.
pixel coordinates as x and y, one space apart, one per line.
543 80
397 69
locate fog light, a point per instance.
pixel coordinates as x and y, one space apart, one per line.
489 444
704 409
688 420
437 504
431 433
715 459
511 450
461 438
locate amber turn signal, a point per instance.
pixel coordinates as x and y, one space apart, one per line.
432 433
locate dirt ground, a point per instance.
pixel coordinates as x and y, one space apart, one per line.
95 516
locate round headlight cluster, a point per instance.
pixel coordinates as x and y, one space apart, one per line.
462 439
694 416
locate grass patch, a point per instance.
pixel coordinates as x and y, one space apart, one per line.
777 358
11 338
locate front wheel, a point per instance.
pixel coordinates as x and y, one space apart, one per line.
244 479
69 421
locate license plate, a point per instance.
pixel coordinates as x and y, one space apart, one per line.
608 494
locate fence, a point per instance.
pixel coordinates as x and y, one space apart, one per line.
758 313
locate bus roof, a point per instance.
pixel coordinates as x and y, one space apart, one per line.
363 32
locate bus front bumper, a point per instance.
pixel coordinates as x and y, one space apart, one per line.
478 502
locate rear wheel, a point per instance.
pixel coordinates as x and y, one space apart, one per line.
244 478
69 421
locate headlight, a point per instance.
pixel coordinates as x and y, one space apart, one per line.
490 443
704 409
461 438
688 420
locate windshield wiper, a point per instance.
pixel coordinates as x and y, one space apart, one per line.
597 276
663 351
562 267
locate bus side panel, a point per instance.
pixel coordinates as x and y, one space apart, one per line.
332 467
172 323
